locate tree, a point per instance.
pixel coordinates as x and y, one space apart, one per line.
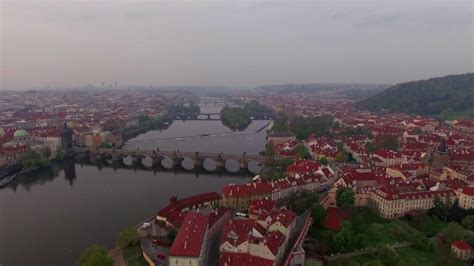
345 197
468 222
453 231
440 209
127 237
388 256
270 150
318 214
323 161
46 153
421 242
386 142
171 235
343 241
341 157
373 263
302 152
95 256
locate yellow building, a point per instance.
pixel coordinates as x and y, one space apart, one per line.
392 204
466 197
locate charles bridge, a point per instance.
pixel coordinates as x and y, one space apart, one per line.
113 156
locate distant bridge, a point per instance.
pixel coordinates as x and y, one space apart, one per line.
113 156
217 100
201 116
216 116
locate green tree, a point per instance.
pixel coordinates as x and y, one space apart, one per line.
171 235
468 222
453 231
440 209
323 161
270 150
127 237
386 142
388 256
343 241
341 157
421 242
345 197
373 263
318 214
95 256
303 152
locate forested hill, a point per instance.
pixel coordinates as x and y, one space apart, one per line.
450 97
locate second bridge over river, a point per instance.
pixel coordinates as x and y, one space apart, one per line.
156 157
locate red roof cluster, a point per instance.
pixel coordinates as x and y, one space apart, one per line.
188 241
254 188
261 206
303 167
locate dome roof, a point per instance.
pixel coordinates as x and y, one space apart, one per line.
20 133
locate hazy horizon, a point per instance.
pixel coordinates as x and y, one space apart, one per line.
239 44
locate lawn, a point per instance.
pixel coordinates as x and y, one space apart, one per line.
133 256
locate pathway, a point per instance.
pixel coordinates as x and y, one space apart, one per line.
365 251
117 256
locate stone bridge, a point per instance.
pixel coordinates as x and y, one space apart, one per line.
156 158
201 116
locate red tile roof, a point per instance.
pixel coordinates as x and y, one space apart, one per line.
261 206
242 259
254 188
190 236
468 191
461 245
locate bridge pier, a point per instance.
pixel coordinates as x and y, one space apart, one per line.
197 161
244 165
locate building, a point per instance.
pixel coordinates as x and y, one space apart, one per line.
279 137
260 241
384 158
461 250
391 203
239 197
190 245
466 197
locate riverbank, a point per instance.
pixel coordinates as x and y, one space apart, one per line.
146 124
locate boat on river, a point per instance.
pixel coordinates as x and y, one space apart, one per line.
6 180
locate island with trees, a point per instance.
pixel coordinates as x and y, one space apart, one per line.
239 118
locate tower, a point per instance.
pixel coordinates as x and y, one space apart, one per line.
66 138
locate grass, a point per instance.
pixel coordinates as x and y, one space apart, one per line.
133 256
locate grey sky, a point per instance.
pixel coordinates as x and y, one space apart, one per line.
232 43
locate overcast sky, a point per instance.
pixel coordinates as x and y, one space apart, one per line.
232 43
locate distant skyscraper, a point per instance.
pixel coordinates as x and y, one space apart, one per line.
115 84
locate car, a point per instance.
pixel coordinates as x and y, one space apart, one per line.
161 256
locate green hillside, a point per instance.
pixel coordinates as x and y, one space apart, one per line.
449 97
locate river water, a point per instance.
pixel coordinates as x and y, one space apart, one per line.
50 218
